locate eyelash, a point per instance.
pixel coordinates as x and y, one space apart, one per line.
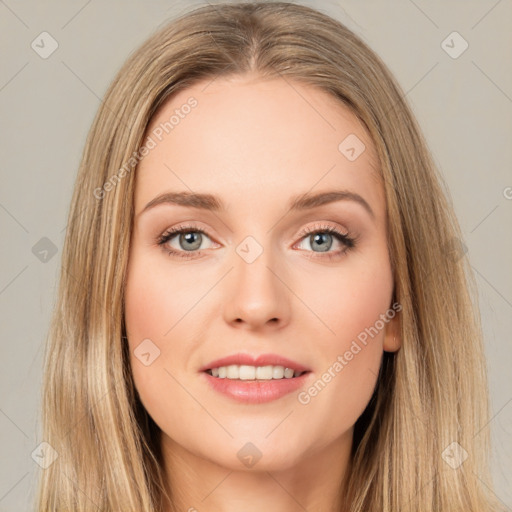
348 241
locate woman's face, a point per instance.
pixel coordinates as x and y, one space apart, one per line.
256 276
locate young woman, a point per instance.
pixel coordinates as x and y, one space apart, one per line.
263 303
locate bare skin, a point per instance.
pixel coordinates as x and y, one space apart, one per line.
257 144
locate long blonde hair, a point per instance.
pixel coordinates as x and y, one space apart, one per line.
431 394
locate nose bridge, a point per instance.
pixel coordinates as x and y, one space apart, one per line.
257 294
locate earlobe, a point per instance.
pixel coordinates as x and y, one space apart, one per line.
392 338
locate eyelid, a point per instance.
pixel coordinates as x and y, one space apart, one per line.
319 227
176 230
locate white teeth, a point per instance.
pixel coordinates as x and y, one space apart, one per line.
288 373
246 372
277 372
264 372
233 372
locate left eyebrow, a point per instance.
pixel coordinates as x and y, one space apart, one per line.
308 201
305 201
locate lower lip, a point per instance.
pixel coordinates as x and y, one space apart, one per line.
256 392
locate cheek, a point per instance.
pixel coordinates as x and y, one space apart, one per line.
151 311
155 300
349 303
146 303
161 311
355 314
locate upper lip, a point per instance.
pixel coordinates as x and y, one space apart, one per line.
260 360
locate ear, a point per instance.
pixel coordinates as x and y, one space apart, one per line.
392 338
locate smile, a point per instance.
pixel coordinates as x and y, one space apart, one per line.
247 372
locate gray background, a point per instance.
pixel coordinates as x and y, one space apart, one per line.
463 104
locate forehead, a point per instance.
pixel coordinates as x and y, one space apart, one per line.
251 140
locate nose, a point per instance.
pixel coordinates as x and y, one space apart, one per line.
256 294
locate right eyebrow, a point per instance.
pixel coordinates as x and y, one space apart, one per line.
190 199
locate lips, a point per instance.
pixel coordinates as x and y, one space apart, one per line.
260 360
256 392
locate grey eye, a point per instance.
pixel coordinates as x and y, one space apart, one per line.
322 240
190 241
